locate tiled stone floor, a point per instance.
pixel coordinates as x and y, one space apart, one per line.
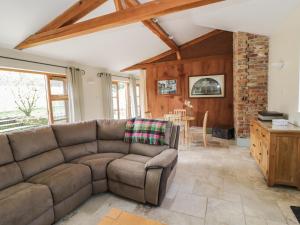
218 185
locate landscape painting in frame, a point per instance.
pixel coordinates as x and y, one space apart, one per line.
167 87
206 86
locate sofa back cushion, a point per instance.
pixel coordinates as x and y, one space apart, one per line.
110 135
168 133
10 172
174 140
115 146
153 150
147 150
35 150
111 129
76 139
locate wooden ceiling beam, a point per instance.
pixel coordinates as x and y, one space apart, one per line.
201 38
152 9
159 32
155 27
197 40
149 61
118 5
73 14
175 62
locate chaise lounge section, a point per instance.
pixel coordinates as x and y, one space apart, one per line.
47 172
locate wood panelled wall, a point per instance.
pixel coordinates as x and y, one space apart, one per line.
219 60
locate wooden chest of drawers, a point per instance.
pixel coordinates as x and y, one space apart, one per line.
277 152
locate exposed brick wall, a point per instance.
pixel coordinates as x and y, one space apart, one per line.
250 79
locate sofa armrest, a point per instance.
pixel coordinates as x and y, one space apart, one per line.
162 160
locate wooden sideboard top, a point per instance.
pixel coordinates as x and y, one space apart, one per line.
291 128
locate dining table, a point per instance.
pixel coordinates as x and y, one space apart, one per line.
180 120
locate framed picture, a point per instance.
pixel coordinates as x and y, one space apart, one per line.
167 87
206 86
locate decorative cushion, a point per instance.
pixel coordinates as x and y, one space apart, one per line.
148 131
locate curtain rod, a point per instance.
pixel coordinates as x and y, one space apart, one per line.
102 74
29 61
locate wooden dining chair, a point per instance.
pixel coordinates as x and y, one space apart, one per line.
204 127
148 115
181 112
172 117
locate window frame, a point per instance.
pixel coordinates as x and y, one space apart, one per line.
128 100
138 96
52 98
48 76
117 98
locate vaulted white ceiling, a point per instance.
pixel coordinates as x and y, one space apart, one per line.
124 46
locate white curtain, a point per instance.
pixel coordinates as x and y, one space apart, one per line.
106 92
74 76
133 100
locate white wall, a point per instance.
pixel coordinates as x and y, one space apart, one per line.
284 84
93 107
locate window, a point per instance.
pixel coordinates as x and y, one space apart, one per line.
58 99
138 99
121 100
29 99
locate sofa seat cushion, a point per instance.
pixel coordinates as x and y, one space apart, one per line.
24 202
137 158
128 172
98 163
64 180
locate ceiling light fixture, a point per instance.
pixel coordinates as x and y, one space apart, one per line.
171 37
155 20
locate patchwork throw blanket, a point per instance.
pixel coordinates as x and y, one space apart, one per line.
145 131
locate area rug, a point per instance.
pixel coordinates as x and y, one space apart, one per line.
296 211
120 217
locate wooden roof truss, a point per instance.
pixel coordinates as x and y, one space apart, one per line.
66 25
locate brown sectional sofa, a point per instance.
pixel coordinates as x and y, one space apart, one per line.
47 172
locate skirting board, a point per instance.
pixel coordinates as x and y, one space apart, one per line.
243 142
